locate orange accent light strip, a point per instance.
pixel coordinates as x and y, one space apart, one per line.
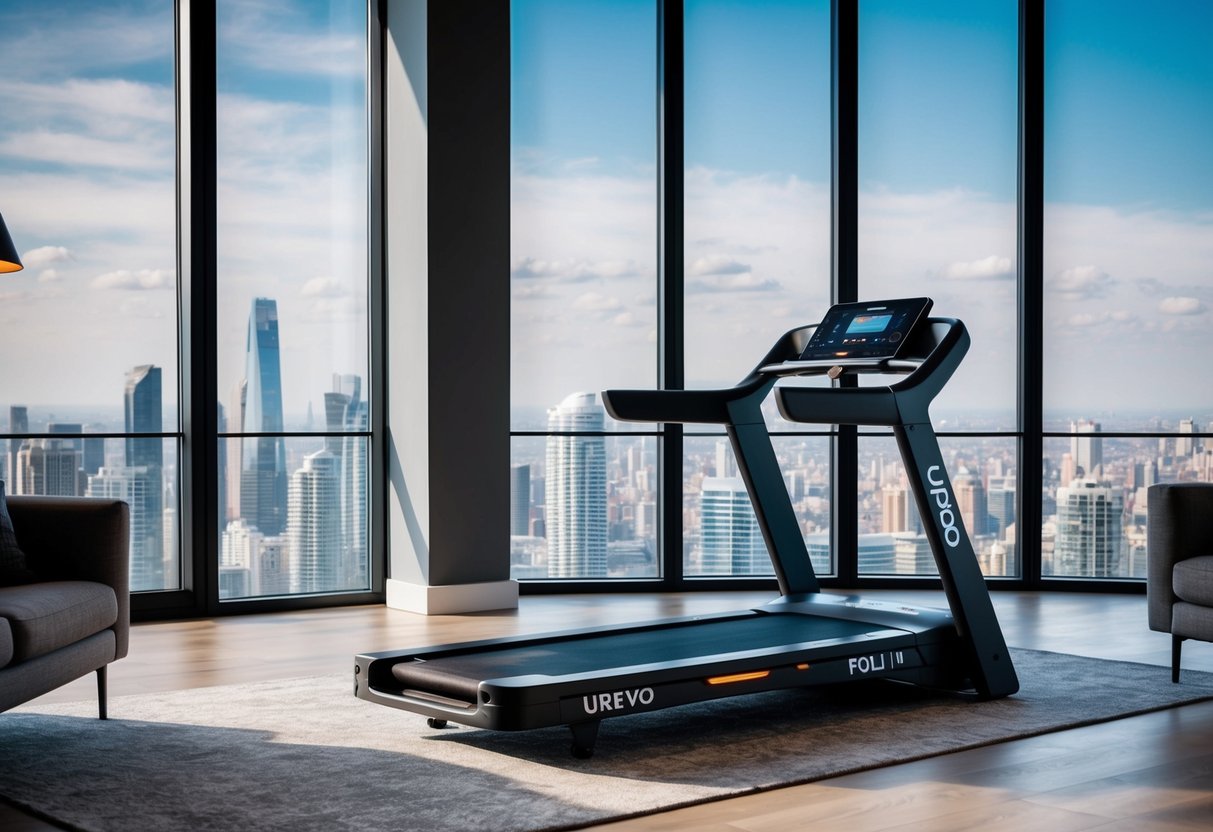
739 677
802 666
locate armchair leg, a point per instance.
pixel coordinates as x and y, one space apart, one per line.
1176 641
102 713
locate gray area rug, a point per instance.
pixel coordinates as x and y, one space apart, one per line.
304 754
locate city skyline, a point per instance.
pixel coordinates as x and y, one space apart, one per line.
300 532
1093 501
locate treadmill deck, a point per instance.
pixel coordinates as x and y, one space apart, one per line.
686 643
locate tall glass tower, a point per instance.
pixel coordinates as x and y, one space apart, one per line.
18 422
145 472
732 542
1089 530
576 490
314 527
263 478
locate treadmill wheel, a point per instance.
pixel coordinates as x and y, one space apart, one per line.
435 722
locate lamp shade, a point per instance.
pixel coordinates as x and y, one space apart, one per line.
9 261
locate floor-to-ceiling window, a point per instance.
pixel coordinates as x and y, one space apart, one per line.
292 346
583 229
938 88
1124 302
1128 288
89 380
756 254
96 111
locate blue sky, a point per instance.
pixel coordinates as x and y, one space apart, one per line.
87 187
1128 92
86 166
1129 185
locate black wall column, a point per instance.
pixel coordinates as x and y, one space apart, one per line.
1031 282
844 97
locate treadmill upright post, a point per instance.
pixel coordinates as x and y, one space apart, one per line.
763 478
990 665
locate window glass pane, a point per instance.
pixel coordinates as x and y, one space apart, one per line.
292 296
1129 201
757 179
1128 291
321 543
938 92
583 201
982 473
583 507
292 197
88 186
721 537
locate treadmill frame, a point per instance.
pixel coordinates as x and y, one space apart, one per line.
962 649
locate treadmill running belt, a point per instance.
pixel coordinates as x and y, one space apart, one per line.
459 676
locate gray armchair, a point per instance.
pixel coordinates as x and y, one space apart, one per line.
1179 580
74 618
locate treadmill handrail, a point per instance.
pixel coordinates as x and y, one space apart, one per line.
935 354
710 406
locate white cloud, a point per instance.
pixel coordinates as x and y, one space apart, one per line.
595 302
745 282
718 264
1180 306
573 271
993 267
325 287
629 319
48 276
1091 319
1081 282
45 255
531 292
134 281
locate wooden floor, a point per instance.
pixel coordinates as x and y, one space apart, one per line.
1151 772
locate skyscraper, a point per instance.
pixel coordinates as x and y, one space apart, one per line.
145 459
239 559
18 422
263 478
49 467
894 509
133 484
1086 450
576 500
730 539
971 502
346 411
1089 530
234 452
313 526
520 499
1001 502
1184 444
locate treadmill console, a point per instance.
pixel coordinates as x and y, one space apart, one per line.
867 332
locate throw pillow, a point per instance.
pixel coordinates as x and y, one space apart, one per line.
12 560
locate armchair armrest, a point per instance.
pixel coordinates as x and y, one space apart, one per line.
1179 526
78 539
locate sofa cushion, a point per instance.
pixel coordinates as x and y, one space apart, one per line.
47 616
1192 580
6 643
13 569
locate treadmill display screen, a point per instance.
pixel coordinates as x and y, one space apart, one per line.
868 331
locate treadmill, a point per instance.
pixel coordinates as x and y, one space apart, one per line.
804 637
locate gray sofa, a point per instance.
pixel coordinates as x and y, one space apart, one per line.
75 618
1179 577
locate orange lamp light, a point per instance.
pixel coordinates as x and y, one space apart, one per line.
9 261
